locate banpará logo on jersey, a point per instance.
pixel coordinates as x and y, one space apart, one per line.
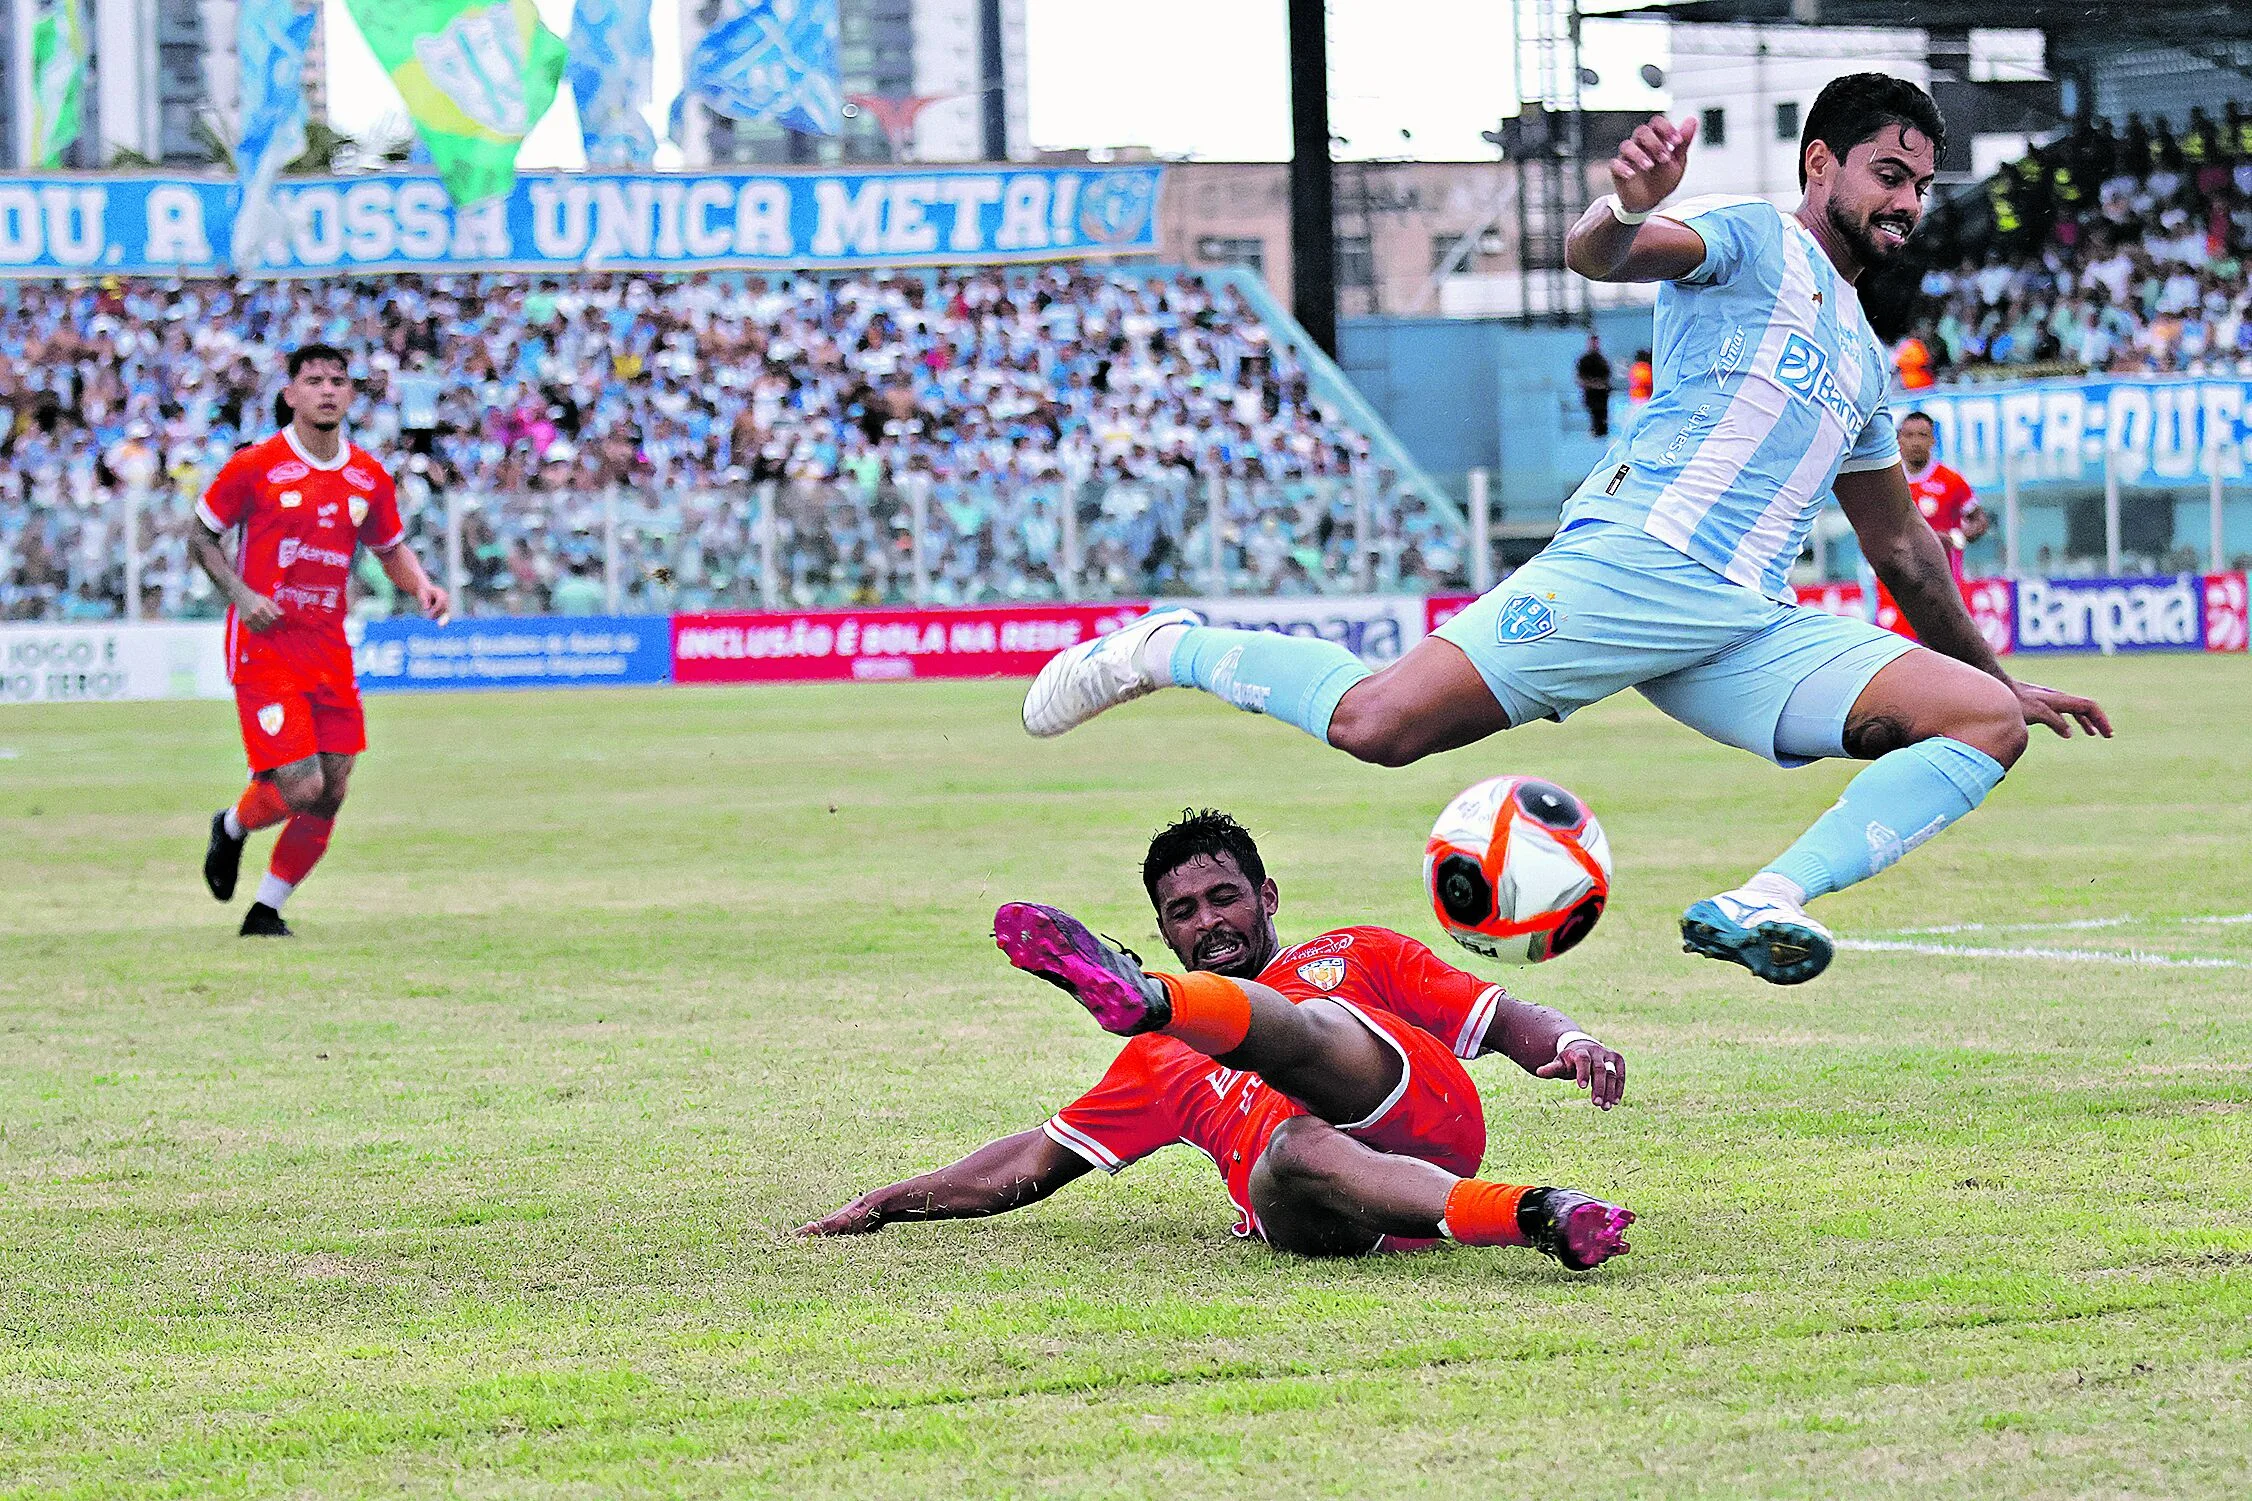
1524 618
1323 974
270 718
1804 370
293 551
358 478
287 470
1330 943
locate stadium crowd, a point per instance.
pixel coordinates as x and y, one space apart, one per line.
2116 250
644 422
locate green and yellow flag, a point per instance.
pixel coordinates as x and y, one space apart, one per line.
58 80
476 76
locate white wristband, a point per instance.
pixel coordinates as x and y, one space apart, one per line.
1622 213
1571 1037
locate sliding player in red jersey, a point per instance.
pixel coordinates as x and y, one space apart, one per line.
303 500
1322 1080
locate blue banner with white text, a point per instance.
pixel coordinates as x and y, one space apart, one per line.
571 221
2156 432
574 651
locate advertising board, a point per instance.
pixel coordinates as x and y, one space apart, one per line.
591 651
808 646
111 661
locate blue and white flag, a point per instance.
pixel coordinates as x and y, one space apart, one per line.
773 60
272 36
609 71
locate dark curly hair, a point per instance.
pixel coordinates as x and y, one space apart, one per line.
317 354
1855 108
1200 832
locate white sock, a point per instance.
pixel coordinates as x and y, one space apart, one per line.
233 825
273 890
1154 658
1781 888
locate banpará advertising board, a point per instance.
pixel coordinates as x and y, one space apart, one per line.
590 651
112 661
2181 612
582 221
1377 628
2156 432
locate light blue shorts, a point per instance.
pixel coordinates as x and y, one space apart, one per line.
1607 607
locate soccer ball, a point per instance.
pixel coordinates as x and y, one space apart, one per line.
1517 869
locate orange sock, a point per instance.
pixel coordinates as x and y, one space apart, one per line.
1210 1012
1483 1214
261 806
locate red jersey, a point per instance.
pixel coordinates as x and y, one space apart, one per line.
1159 1091
300 520
1945 498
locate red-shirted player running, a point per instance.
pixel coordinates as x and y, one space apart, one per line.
1322 1080
304 499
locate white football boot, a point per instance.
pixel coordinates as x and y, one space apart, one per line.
1762 930
1081 681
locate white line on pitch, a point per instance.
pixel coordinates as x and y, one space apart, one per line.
2077 925
2066 956
2018 927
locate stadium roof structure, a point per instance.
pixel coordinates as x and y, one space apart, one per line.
2079 29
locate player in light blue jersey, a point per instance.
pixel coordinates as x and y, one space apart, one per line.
1669 573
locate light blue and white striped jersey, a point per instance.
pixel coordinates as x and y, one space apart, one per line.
1767 385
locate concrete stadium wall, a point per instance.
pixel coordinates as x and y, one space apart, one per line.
1471 393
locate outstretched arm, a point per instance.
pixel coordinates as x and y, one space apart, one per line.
1527 1035
996 1178
1604 247
1905 552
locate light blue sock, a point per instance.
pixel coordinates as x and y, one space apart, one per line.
1898 801
1296 679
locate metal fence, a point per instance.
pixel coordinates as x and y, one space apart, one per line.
910 538
915 538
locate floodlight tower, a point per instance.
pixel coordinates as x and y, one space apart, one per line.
1550 147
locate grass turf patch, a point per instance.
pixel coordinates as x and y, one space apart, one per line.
482 1186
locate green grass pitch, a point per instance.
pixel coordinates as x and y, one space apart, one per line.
481 1186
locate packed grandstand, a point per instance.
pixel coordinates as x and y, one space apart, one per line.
2117 250
613 439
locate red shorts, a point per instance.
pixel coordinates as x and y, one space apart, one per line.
288 713
1434 1114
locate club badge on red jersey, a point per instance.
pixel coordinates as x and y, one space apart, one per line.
1323 974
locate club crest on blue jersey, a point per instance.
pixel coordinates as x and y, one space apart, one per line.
1524 618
